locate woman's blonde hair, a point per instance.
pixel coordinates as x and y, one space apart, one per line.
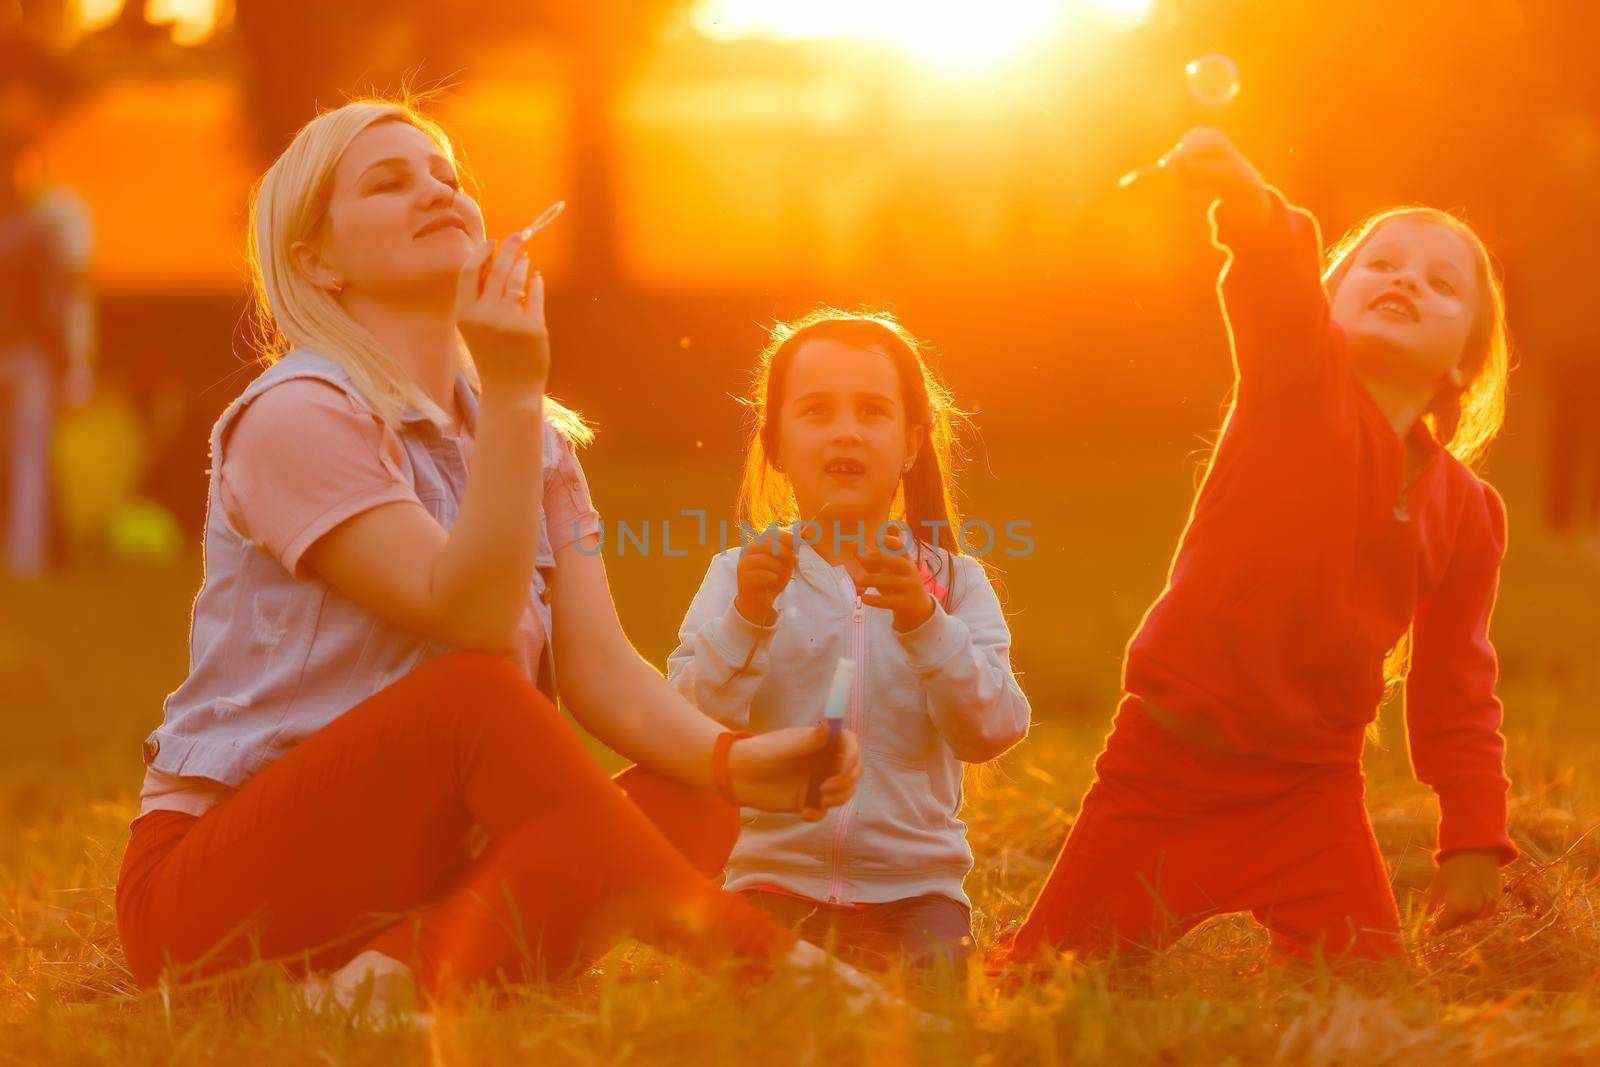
1467 419
290 204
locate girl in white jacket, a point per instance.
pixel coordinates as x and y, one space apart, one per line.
853 433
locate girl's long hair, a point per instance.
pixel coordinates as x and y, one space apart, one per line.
290 204
1464 420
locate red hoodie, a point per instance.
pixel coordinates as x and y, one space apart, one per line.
1303 562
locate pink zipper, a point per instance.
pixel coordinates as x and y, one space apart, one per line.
858 646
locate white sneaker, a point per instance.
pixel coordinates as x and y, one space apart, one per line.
375 990
863 992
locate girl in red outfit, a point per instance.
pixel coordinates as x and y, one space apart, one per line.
1339 523
400 562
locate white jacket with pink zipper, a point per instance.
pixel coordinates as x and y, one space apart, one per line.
925 702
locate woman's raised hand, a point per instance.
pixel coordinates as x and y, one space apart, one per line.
500 312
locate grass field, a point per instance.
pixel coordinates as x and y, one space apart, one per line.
86 659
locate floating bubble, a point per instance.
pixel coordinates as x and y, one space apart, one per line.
1213 79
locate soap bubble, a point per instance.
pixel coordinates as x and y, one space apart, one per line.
1213 79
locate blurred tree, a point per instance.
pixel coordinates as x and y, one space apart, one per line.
606 43
135 26
299 55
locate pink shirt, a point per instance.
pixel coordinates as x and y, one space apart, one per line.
354 464
306 456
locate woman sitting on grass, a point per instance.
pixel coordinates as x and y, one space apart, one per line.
400 563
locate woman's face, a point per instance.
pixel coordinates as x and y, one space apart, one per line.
398 223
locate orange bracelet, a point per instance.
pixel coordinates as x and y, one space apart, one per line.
719 763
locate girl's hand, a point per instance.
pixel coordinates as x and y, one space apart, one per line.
500 311
897 581
765 567
1205 159
771 771
1466 887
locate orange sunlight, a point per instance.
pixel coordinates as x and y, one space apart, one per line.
192 20
937 33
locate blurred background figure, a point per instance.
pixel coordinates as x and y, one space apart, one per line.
46 324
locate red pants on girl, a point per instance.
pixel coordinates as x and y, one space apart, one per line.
1173 832
355 839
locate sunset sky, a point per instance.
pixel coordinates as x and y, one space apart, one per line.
817 141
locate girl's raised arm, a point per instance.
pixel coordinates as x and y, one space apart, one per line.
1271 286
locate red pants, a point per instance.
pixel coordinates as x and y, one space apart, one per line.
355 840
1173 832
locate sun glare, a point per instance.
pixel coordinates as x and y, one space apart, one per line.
1123 14
935 31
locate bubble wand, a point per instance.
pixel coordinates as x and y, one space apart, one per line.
1213 82
546 217
844 676
1142 172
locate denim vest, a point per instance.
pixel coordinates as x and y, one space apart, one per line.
272 658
